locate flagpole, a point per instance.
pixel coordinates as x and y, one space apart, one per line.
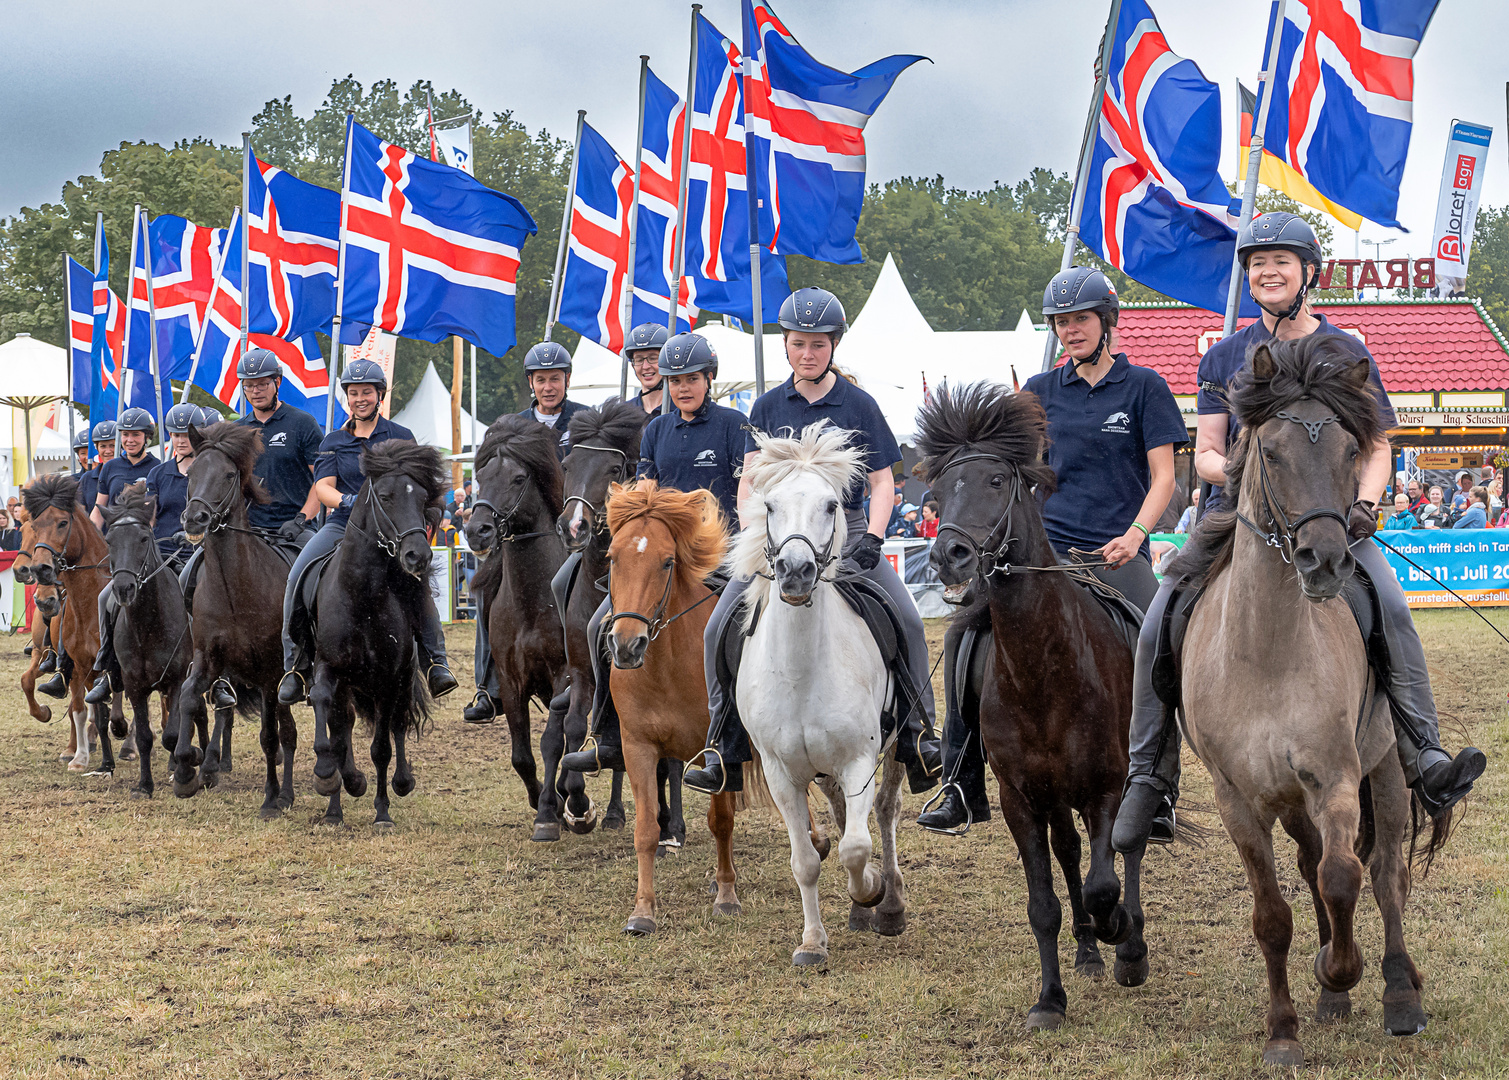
628 302
104 346
210 308
126 376
1082 174
68 299
560 248
340 285
1254 164
152 333
246 160
752 191
678 253
474 410
457 362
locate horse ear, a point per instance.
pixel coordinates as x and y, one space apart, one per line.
1357 374
614 489
1263 365
196 439
152 509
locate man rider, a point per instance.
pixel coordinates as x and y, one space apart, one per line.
1281 258
338 480
700 445
547 366
642 351
133 432
290 447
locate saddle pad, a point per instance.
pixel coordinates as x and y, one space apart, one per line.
309 581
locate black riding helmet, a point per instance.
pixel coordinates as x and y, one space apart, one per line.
135 419
1280 230
548 356
258 364
103 432
643 337
816 311
81 440
365 371
1083 288
180 417
686 353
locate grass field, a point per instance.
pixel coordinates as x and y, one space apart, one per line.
185 938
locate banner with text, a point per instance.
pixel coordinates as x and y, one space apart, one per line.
1457 209
1474 562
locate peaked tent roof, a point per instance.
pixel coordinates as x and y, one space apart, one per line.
30 367
428 413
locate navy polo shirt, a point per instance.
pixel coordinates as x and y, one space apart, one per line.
116 473
1099 438
290 445
561 422
1221 363
172 490
703 452
89 487
638 399
784 413
341 457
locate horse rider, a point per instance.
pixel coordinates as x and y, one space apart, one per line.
547 366
1113 428
168 483
642 351
104 450
1282 258
812 324
337 481
700 445
290 448
133 432
81 454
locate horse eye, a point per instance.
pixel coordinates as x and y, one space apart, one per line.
832 506
997 480
668 564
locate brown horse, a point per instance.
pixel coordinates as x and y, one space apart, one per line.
1277 697
70 553
1057 689
45 597
665 543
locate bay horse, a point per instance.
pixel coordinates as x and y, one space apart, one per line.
517 468
369 607
665 544
152 641
1057 688
237 617
812 683
1277 695
69 554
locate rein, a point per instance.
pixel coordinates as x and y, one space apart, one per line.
655 622
1284 533
141 580
379 516
60 563
503 522
599 516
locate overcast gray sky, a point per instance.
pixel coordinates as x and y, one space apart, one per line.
1007 90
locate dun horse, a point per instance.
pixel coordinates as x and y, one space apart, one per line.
1277 697
665 543
1057 687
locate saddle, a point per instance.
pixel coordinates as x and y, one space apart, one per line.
302 619
188 577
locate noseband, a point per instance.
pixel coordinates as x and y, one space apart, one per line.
384 541
220 513
599 516
60 563
141 575
503 520
1284 534
656 621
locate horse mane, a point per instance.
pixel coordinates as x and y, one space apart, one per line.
984 418
820 448
1317 367
134 505
51 491
614 423
693 518
241 443
532 445
420 463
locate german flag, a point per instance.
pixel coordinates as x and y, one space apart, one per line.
1277 173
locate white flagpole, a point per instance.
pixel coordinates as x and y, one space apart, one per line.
678 252
475 444
246 160
68 401
628 300
126 377
1254 164
340 285
210 308
99 244
1082 174
752 191
560 248
152 334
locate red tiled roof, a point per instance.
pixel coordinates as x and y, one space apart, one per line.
1419 344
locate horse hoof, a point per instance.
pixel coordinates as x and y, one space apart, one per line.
823 848
188 790
383 824
331 822
1092 967
270 812
1332 984
1119 929
1335 1006
875 900
861 918
1403 1020
728 910
546 832
356 784
118 727
1131 972
1284 1053
327 785
1044 1020
140 792
46 717
889 923
614 821
211 780
75 765
809 958
225 767
639 926
583 825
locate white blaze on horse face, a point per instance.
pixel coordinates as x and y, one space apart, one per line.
642 543
408 489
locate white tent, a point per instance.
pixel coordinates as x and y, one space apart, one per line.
33 376
428 413
890 349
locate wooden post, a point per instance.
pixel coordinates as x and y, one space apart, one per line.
456 369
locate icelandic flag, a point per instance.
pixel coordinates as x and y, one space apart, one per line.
139 353
1156 207
717 213
294 228
106 341
80 330
1343 116
809 142
429 251
597 252
184 259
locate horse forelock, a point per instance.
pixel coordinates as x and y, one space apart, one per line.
241 444
419 463
614 423
984 418
56 491
532 445
693 518
132 506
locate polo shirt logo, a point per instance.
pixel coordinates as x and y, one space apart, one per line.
280 439
708 459
1118 423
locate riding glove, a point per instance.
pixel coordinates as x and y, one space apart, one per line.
866 554
291 528
1362 522
348 501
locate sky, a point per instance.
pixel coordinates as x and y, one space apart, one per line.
1008 87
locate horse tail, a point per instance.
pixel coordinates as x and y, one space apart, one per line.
756 793
419 710
1441 827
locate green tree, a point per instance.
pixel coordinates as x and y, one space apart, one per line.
1488 266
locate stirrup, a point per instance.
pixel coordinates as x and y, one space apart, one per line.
969 816
591 740
222 683
722 769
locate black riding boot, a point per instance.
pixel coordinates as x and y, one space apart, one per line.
104 660
49 661
604 746
918 748
963 799
1152 788
293 688
723 760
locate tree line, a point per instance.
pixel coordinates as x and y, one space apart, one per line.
973 260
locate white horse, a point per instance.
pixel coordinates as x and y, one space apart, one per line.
812 682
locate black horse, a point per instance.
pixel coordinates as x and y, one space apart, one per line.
369 607
238 616
152 642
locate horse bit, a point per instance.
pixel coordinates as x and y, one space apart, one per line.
656 621
379 516
1285 531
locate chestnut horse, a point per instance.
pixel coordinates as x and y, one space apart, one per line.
44 598
665 544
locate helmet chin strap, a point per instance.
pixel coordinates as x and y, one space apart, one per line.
1292 312
802 378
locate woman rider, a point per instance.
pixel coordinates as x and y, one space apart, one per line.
812 323
642 351
1112 431
1281 257
337 481
700 445
133 433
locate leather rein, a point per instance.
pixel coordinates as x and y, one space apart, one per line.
656 621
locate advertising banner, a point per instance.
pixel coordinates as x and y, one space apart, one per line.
455 146
1457 209
382 348
1474 562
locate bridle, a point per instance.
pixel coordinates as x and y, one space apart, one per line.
656 621
220 513
1284 533
503 520
380 517
599 516
141 575
60 563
